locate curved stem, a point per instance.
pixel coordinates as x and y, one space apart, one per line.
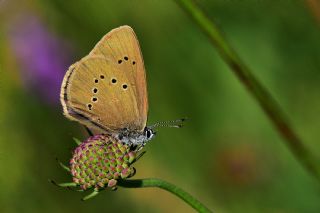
153 182
255 88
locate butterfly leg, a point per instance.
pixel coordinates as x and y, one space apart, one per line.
93 194
89 131
138 157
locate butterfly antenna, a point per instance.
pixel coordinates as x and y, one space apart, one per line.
173 123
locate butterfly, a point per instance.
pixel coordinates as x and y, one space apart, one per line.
106 90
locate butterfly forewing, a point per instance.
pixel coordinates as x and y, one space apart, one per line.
122 47
99 95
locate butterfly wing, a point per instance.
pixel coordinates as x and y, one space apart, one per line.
98 94
121 46
117 55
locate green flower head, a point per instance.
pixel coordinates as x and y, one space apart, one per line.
99 162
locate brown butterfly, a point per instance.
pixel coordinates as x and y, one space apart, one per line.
107 91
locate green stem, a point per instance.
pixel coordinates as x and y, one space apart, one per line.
153 182
257 90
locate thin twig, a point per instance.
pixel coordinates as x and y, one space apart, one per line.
255 88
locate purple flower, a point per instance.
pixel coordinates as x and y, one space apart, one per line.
44 58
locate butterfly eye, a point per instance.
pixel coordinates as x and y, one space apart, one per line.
126 58
119 61
89 106
96 80
95 90
124 86
114 80
149 133
94 99
102 76
133 62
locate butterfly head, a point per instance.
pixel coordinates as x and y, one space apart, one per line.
135 138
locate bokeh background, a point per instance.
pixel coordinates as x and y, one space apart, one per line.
228 155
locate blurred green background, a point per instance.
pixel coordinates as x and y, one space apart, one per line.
228 155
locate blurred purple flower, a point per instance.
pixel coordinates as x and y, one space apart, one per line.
44 58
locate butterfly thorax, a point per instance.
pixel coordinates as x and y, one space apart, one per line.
135 138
